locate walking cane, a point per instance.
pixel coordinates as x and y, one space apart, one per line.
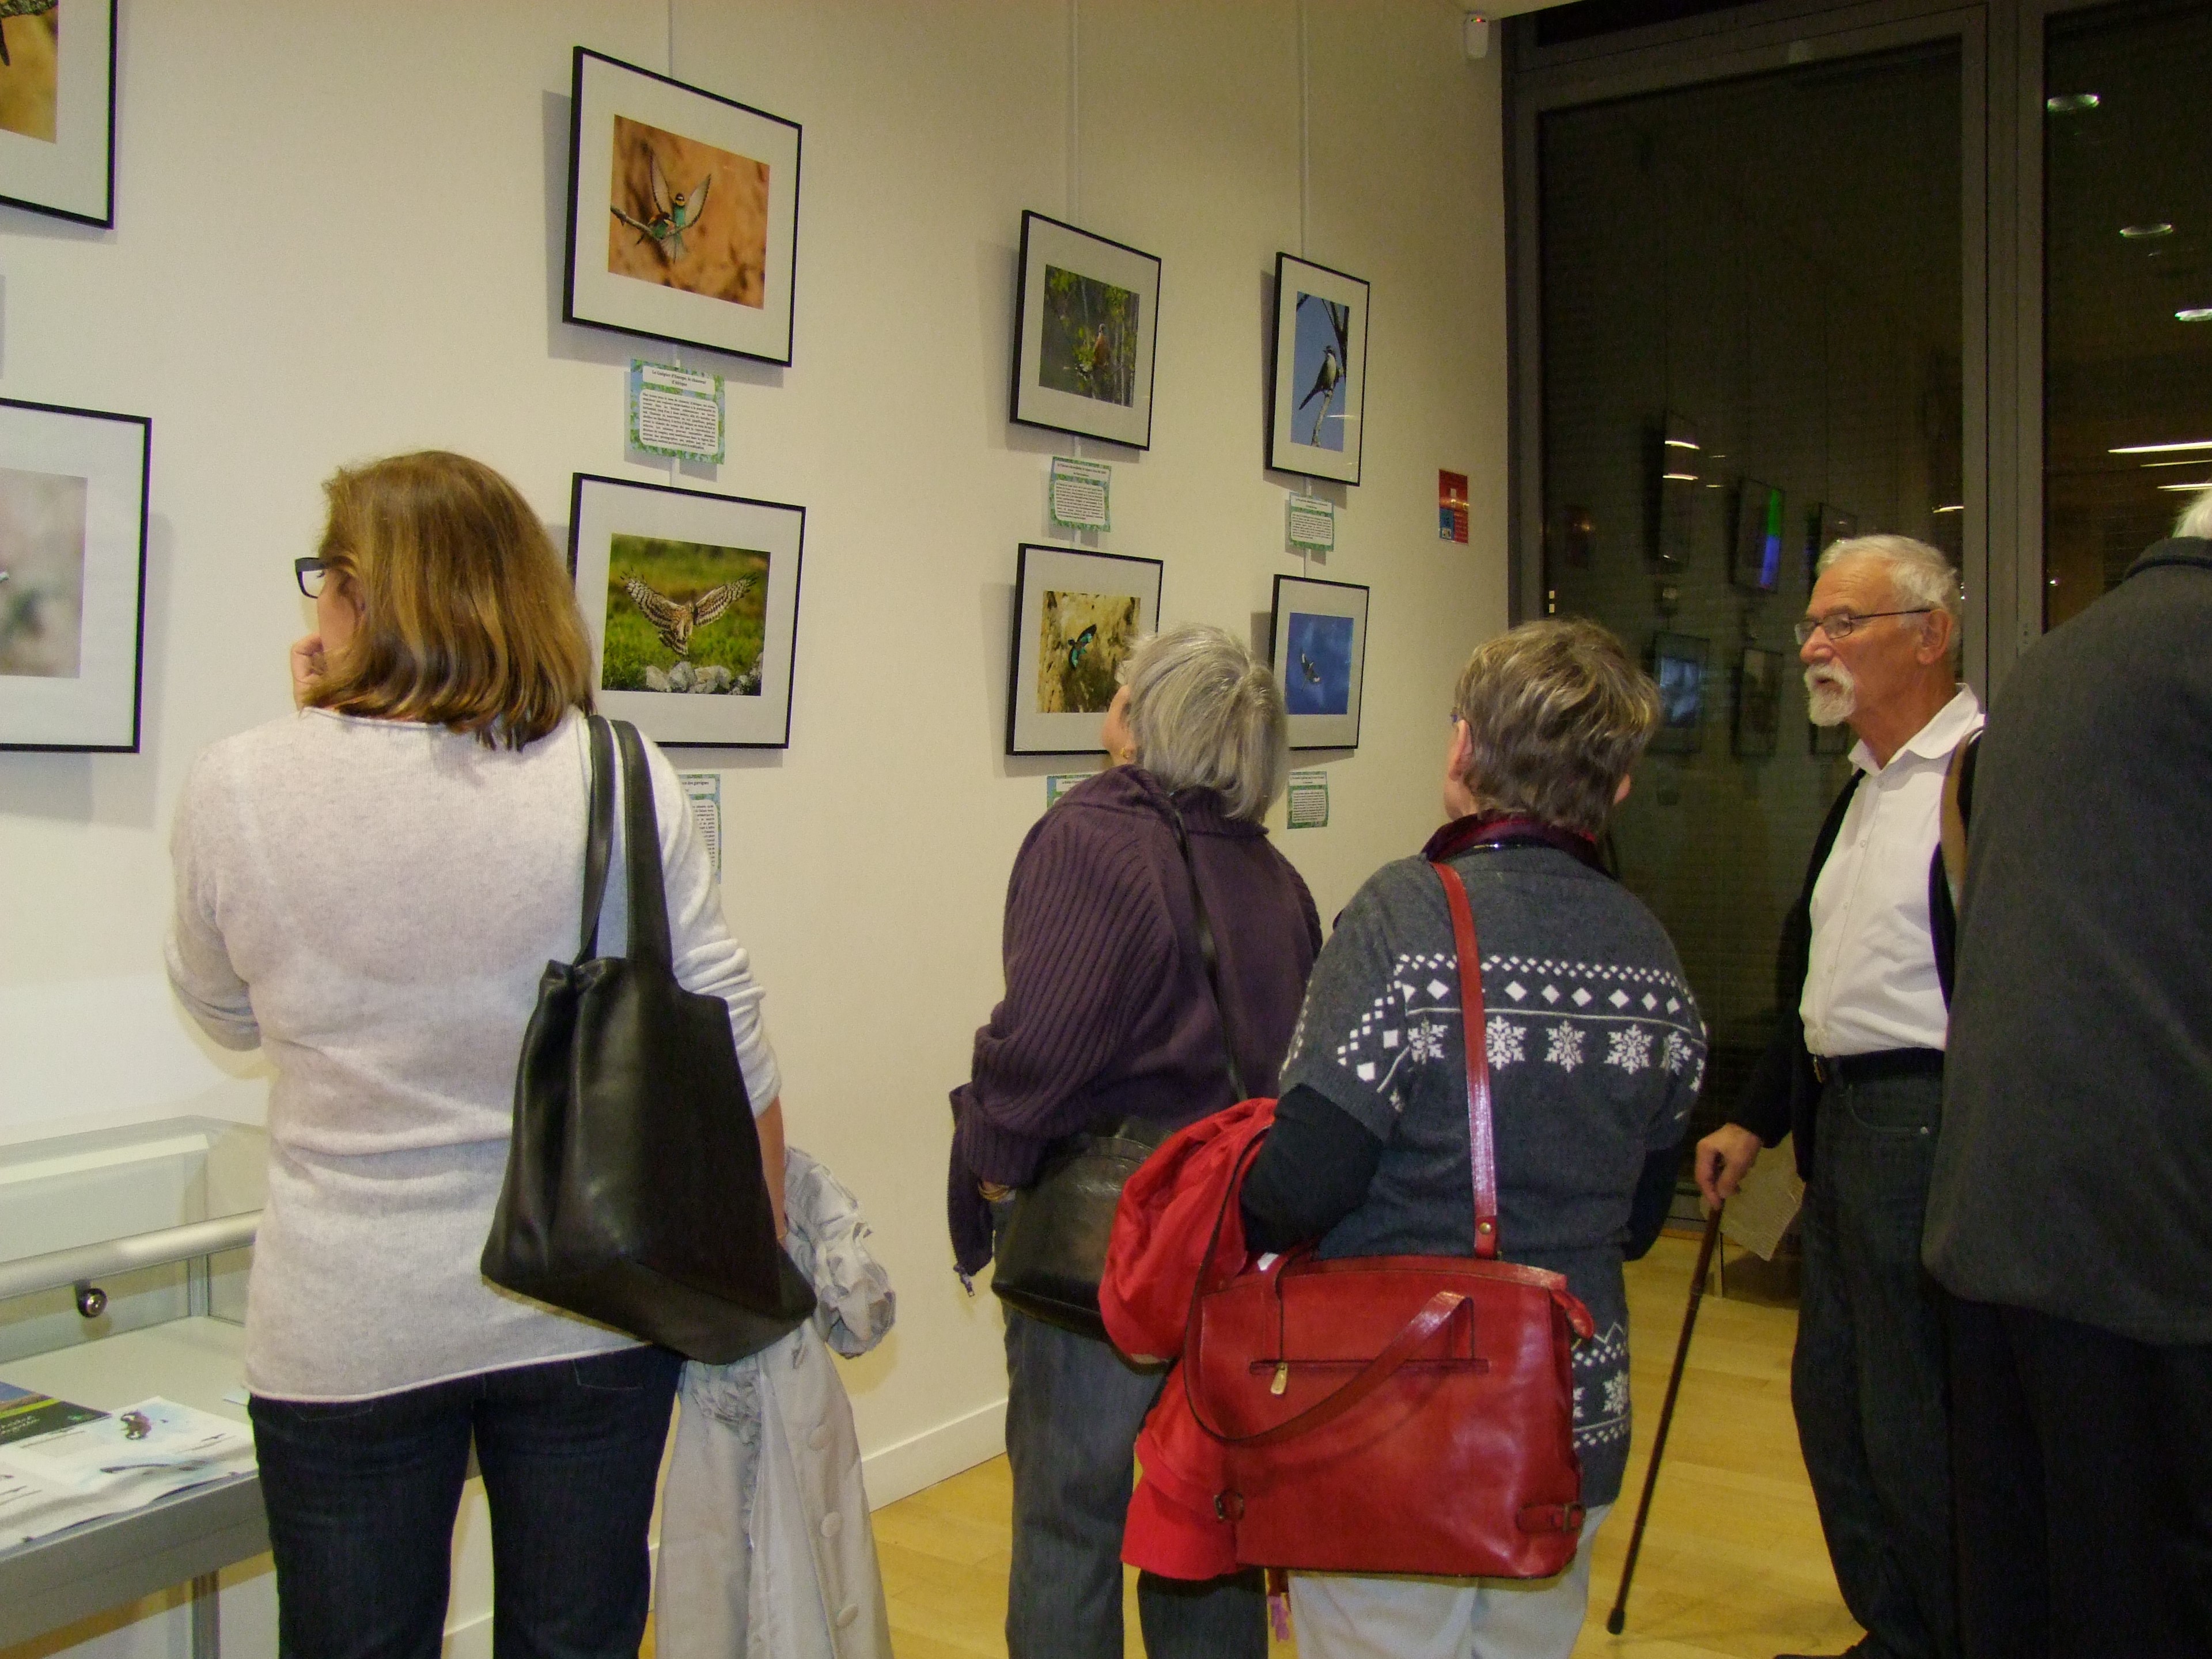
1618 1616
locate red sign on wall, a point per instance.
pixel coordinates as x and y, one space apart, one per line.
1451 507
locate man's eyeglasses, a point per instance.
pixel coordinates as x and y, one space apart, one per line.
1839 625
310 573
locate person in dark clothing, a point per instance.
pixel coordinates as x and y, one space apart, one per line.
1107 1013
2071 1209
1855 1074
1595 1051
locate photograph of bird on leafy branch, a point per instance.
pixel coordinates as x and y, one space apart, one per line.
686 215
684 617
42 532
1089 344
1081 639
30 56
1323 348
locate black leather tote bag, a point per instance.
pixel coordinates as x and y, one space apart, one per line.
1052 1252
633 1192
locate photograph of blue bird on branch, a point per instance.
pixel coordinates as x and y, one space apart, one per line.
1318 360
1317 378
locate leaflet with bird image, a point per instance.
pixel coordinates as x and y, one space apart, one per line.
114 1461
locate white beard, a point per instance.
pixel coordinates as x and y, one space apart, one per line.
1832 693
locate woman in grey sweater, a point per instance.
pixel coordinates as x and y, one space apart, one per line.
369 890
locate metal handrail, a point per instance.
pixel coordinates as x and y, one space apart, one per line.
57 1269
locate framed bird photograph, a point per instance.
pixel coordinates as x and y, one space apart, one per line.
682 212
1086 331
1077 617
1320 653
691 601
58 108
1318 373
72 576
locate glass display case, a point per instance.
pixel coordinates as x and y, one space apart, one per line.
123 1264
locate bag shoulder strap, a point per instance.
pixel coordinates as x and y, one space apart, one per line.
648 897
1958 810
1208 953
1482 1148
599 832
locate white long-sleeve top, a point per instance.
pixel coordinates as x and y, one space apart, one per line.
1870 983
372 902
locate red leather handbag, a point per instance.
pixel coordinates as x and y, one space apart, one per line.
1404 1414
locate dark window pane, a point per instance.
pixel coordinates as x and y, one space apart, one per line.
1751 347
2128 245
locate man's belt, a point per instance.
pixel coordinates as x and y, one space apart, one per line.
1882 1063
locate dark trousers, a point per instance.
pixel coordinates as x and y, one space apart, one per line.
1073 1408
2083 1463
362 1497
1867 1378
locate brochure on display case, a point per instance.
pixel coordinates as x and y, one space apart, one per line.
105 1463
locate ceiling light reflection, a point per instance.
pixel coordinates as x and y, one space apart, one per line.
2160 449
2071 103
2144 233
2194 314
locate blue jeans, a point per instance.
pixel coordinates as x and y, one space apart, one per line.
1868 1375
361 1496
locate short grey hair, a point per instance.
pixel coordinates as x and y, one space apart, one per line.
1207 714
2196 519
1919 573
1557 715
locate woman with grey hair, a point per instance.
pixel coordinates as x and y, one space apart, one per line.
1108 1014
1596 1052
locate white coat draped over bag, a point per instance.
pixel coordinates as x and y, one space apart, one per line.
766 1550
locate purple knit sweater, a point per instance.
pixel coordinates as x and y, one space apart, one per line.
1107 1012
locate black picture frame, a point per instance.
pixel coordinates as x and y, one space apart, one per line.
688 533
618 107
1090 623
1046 389
1678 666
1758 702
75 487
1317 305
1317 641
64 166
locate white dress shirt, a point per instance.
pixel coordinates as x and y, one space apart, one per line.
1871 982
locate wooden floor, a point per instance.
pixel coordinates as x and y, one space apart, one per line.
1733 1562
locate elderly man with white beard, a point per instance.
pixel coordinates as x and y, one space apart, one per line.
1855 1073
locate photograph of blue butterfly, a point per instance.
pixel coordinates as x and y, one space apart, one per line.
1317 392
1320 635
1078 616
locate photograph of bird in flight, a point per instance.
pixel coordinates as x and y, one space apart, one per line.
686 215
684 617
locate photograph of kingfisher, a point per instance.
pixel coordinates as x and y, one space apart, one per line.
669 214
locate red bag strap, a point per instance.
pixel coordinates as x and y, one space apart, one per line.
1482 1148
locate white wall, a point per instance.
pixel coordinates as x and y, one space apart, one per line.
338 236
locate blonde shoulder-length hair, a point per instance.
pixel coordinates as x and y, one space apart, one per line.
468 618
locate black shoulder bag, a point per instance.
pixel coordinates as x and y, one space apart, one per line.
634 1193
1053 1252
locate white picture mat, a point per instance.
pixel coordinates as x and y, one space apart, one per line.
1051 244
98 708
1286 453
71 173
599 295
1312 598
606 509
1049 567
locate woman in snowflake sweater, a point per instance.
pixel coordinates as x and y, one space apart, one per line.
1596 1052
